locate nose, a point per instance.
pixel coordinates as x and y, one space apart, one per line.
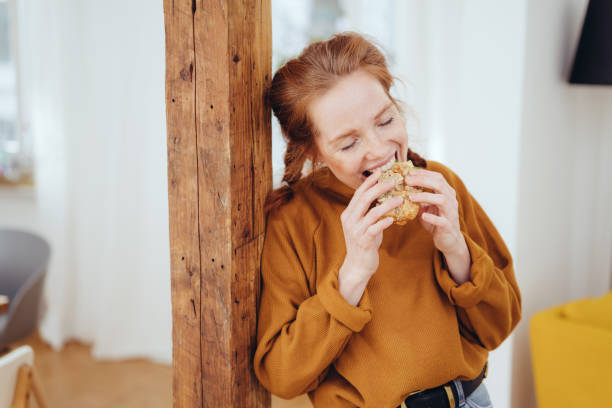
375 146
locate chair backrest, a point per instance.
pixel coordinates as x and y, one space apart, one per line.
24 258
9 367
22 254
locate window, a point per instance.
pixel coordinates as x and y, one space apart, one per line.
15 164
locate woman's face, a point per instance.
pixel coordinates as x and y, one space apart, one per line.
359 128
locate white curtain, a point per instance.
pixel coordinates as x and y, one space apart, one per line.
93 84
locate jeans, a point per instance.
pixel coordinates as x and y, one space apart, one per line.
477 399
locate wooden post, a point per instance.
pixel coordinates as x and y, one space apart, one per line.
218 64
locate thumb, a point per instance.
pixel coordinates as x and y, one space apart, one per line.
426 226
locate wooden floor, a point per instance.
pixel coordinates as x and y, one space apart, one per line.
72 378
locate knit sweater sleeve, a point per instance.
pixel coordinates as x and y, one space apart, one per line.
299 333
489 303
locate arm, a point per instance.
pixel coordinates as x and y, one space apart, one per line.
458 262
489 302
298 334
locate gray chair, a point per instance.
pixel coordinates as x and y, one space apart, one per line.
24 258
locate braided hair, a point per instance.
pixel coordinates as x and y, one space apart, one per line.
311 74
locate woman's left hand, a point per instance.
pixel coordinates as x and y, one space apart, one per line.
439 212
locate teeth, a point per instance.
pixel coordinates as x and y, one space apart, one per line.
384 167
387 165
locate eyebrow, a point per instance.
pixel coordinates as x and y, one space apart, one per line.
351 131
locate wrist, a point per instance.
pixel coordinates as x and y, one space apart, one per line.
459 261
351 284
457 251
357 269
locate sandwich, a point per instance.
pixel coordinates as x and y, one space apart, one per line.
407 210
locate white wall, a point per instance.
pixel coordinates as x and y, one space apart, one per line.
564 224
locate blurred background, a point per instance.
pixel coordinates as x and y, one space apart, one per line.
83 164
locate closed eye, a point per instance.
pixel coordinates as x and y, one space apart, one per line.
349 146
353 144
387 122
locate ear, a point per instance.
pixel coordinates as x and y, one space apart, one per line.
315 157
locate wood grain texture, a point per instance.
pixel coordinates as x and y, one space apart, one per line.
230 136
250 71
183 203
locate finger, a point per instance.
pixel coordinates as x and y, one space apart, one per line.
447 206
426 226
377 228
428 208
350 213
429 179
371 180
380 210
435 220
364 202
428 198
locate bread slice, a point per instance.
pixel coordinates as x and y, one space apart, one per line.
407 210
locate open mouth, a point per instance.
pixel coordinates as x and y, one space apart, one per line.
384 167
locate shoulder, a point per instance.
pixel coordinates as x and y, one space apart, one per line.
298 216
451 177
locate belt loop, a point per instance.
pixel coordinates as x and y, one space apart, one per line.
449 394
460 395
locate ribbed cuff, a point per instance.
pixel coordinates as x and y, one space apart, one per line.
353 317
471 292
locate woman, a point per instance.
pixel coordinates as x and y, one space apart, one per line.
357 311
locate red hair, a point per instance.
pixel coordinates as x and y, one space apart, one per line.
307 76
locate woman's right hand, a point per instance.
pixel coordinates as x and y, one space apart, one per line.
363 231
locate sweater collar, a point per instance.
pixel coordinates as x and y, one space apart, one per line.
324 179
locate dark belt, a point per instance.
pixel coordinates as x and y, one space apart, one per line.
444 396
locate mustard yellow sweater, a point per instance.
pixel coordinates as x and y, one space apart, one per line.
414 328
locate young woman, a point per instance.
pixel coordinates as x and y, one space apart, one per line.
357 311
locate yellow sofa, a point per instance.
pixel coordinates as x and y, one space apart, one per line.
571 349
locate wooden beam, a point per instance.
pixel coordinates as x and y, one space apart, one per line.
218 64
